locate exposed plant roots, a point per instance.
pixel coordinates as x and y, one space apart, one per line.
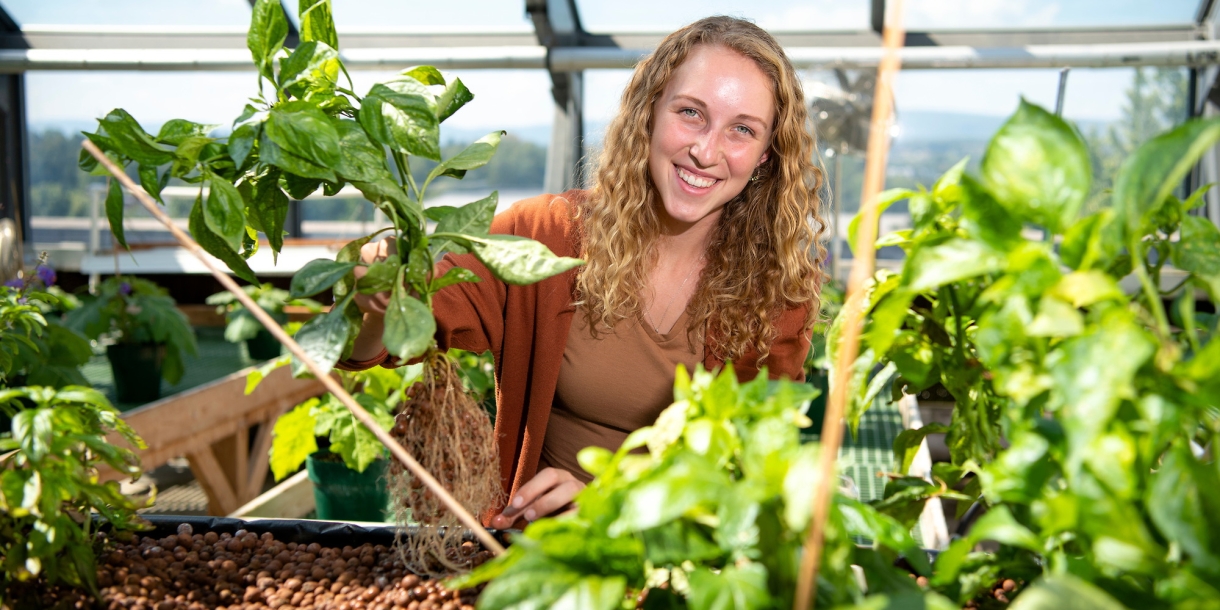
452 438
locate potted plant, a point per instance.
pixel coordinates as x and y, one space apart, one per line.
305 130
241 325
50 489
348 469
149 337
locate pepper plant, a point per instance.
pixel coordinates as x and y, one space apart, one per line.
49 487
305 130
1086 409
712 515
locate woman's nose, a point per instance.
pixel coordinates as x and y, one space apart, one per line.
704 149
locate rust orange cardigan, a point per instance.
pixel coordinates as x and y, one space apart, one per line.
526 329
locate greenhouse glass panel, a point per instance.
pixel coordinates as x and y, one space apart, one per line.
62 104
944 116
1025 14
176 13
455 15
778 15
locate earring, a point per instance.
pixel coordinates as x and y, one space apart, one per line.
755 177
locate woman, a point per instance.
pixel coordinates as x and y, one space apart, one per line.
698 237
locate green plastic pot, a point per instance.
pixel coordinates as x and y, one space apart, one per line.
137 371
342 494
263 346
820 379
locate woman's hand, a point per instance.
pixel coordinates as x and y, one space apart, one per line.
550 491
368 342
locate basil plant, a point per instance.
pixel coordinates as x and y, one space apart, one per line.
305 130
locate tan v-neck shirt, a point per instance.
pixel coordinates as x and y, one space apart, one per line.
611 386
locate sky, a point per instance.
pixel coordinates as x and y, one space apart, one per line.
520 99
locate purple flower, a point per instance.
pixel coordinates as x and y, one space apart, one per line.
125 289
46 275
15 283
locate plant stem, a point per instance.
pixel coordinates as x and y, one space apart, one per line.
1150 291
960 346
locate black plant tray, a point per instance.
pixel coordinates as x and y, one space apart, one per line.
301 531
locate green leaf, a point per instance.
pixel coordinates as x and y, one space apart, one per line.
176 131
317 275
1093 372
426 75
409 325
669 492
402 115
1055 592
151 182
472 157
217 246
907 444
593 593
384 191
303 130
246 129
130 140
317 22
517 260
952 261
1085 288
1177 504
1156 168
359 159
265 38
1038 167
312 67
454 275
473 218
451 99
33 430
323 339
736 587
225 213
293 440
380 276
884 201
1198 247
272 153
985 218
271 208
114 211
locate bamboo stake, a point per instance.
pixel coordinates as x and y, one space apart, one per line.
329 382
861 272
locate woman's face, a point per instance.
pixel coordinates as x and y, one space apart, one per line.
711 128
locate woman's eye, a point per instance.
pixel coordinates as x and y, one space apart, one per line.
742 129
690 112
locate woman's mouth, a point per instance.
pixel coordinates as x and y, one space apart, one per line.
695 181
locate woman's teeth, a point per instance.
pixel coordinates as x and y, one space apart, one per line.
694 180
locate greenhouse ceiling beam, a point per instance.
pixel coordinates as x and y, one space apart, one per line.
573 59
54 37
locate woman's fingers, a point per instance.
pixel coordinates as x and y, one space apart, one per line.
550 490
373 252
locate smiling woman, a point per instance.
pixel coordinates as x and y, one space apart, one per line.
700 240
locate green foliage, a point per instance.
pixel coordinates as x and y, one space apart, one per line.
129 309
1101 484
35 348
378 390
310 133
240 323
712 515
49 487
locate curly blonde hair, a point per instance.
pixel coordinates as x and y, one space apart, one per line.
765 249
